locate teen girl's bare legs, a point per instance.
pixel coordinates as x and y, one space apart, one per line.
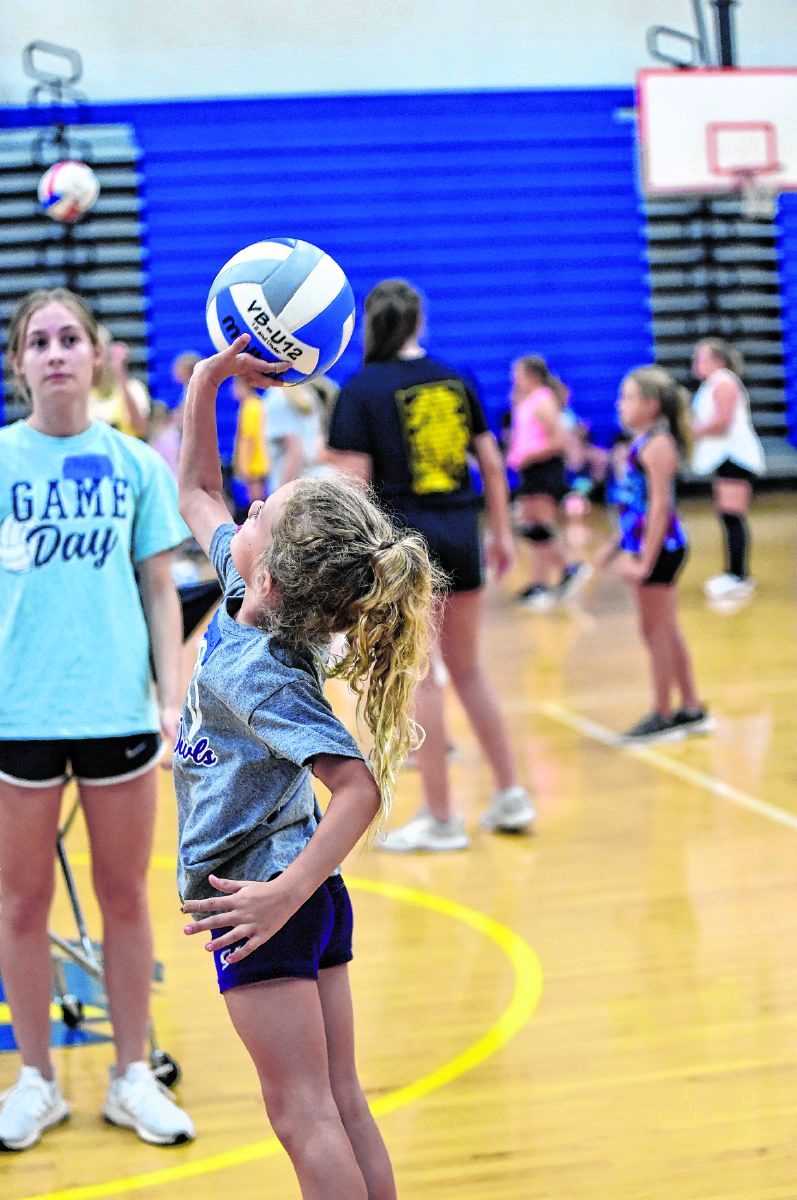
460 644
732 496
459 641
431 756
671 663
281 1024
120 819
361 1128
28 831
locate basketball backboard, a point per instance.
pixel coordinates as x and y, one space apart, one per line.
717 130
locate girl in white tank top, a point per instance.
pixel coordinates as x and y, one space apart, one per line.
727 448
740 443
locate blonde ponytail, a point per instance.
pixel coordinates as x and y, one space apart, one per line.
387 654
340 566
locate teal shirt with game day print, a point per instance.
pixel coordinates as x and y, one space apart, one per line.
75 514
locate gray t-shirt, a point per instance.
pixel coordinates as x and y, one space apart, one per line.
254 719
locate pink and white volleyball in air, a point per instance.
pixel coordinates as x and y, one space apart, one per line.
68 190
293 300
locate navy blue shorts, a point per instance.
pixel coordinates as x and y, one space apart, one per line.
318 935
454 542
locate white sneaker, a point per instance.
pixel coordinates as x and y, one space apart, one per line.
425 832
32 1105
727 587
136 1100
510 810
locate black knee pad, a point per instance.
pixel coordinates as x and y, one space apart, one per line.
537 532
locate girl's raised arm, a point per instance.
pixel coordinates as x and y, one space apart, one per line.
201 496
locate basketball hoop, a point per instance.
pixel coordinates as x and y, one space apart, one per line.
759 194
720 132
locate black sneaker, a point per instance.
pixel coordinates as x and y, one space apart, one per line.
539 598
653 728
694 720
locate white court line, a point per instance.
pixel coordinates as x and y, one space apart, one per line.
607 737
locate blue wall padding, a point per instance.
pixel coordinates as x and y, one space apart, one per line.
517 214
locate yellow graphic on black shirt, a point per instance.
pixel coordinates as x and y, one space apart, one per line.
436 423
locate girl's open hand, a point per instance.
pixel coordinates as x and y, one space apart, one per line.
499 553
251 911
235 361
631 569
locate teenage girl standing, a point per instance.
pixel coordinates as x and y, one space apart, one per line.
408 423
82 509
727 448
653 548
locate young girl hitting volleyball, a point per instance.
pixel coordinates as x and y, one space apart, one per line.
257 864
653 547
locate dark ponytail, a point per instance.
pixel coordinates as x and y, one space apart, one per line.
535 364
392 312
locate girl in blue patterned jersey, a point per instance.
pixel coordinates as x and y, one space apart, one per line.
653 546
317 558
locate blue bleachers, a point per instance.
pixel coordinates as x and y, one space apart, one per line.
516 213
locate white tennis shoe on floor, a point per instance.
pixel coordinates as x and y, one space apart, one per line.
136 1100
31 1106
728 587
510 811
425 832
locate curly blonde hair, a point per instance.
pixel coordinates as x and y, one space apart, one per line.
341 566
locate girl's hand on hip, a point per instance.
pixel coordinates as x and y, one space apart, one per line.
631 569
254 910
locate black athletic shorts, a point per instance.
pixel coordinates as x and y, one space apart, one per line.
732 470
454 542
667 567
545 478
93 761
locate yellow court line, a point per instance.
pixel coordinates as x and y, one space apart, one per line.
671 766
524 1000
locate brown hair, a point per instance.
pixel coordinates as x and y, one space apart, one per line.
30 304
392 311
340 566
534 364
725 353
38 299
674 403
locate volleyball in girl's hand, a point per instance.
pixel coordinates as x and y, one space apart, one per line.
292 299
68 190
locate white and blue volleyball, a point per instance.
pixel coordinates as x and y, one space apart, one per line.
293 300
68 190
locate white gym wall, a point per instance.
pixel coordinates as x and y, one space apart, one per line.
136 49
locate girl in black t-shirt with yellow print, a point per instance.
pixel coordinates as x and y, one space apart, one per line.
408 424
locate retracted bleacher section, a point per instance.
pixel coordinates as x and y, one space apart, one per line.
717 273
102 256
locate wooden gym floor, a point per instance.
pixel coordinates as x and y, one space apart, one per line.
604 1011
